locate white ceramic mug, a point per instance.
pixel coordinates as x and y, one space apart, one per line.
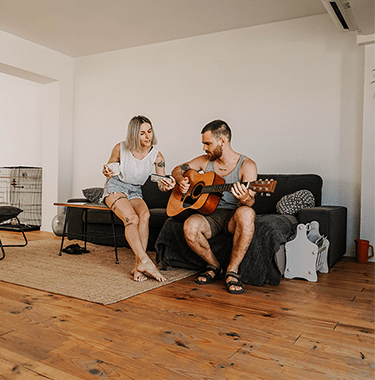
114 167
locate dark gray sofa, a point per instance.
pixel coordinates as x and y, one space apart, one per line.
332 219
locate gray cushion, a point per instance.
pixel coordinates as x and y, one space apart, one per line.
290 204
93 194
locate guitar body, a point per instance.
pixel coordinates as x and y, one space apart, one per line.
195 201
205 192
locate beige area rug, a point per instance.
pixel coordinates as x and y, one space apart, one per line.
92 276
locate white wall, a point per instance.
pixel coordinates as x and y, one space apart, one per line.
291 91
21 121
367 230
54 72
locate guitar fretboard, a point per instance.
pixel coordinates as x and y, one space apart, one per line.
218 188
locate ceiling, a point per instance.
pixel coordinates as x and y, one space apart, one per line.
83 27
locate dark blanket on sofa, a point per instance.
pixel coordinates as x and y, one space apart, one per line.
258 266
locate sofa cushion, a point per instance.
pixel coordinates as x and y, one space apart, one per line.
153 196
287 184
158 216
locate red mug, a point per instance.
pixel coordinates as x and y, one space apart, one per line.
363 248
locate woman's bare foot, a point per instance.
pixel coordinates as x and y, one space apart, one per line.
149 267
138 276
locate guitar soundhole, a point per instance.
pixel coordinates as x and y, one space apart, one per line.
192 198
197 190
188 202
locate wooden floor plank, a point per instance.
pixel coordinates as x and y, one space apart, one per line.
15 366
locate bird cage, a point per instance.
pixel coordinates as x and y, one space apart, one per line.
21 186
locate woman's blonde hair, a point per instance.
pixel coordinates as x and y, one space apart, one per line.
133 134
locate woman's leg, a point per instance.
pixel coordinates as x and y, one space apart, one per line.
141 209
122 207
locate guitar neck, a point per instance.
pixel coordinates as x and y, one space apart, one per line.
218 188
267 186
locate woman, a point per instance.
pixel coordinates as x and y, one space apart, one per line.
137 158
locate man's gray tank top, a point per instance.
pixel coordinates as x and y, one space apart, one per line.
228 200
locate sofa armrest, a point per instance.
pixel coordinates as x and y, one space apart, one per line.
332 223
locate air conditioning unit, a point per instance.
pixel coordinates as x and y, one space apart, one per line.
342 14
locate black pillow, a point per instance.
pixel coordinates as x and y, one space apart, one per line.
93 194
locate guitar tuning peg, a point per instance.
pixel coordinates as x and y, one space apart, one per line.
268 194
261 194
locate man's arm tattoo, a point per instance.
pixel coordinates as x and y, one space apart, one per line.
184 168
161 164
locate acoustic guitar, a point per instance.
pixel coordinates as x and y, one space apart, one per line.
205 192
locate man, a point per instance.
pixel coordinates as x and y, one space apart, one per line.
234 214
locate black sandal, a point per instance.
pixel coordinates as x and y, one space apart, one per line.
207 276
75 249
234 283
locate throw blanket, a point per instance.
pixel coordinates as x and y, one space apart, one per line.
258 266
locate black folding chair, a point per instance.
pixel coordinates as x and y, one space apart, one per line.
7 213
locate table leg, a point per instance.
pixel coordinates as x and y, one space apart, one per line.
2 250
64 230
85 227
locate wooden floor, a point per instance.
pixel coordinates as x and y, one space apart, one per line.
298 330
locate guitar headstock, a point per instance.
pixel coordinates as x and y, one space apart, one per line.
263 186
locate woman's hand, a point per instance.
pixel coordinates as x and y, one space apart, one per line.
167 184
107 171
115 158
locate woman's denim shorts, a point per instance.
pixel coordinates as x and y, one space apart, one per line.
115 185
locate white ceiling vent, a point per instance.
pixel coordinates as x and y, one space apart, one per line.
342 14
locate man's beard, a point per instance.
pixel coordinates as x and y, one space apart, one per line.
217 153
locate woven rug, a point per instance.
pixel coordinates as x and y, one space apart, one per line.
92 276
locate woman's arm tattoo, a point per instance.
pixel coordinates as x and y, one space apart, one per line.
161 164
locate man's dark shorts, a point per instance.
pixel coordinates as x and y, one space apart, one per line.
219 220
